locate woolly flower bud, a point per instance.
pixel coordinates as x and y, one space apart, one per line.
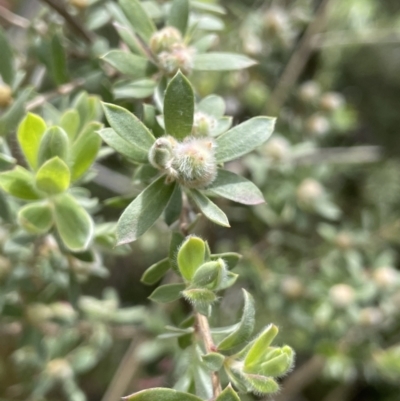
59 369
194 161
309 91
5 95
309 191
161 153
385 276
292 287
203 124
180 57
165 39
317 125
277 149
344 240
370 316
341 295
276 21
331 101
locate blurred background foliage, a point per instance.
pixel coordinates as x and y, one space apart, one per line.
321 256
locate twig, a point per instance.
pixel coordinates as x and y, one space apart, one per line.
298 59
203 329
75 24
13 19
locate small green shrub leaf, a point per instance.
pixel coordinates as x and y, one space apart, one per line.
134 90
36 218
209 275
54 143
213 361
138 18
74 224
155 272
230 258
221 62
129 64
260 384
179 107
84 150
53 177
144 210
279 365
167 293
200 298
236 188
7 69
244 328
190 256
212 105
229 394
161 394
209 208
174 207
243 138
19 183
70 123
179 15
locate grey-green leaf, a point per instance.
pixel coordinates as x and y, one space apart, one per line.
209 208
212 105
236 188
167 293
144 210
243 138
155 272
229 394
221 62
179 107
36 218
179 15
19 182
128 63
7 59
161 394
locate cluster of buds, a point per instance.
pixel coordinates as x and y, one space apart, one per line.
203 124
191 162
171 51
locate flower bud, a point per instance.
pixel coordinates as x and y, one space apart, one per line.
38 313
342 295
180 57
5 95
370 316
81 4
344 241
165 39
385 276
63 311
309 191
277 149
331 101
292 287
317 125
59 369
161 153
276 21
309 91
203 124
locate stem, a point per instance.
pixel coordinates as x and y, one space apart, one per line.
14 19
203 328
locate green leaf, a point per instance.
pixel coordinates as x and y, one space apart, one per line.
29 134
279 365
74 224
229 394
221 62
213 361
70 123
54 143
36 218
223 124
58 61
167 293
261 384
128 63
139 20
244 328
210 275
190 256
174 207
134 90
179 107
53 177
144 210
205 43
200 298
19 183
130 38
111 138
243 138
209 209
212 105
84 150
6 162
155 272
129 127
177 239
161 394
179 15
7 70
230 258
260 345
88 107
236 188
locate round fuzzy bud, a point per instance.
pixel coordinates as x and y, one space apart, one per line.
165 39
309 191
59 369
81 4
180 57
292 287
309 91
5 95
5 267
203 124
331 101
385 276
38 313
344 240
370 316
276 21
277 149
194 161
161 153
317 125
342 295
63 311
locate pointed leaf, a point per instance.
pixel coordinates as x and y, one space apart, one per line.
134 90
70 123
128 63
179 15
279 365
190 256
155 272
167 293
212 105
7 70
53 177
29 134
229 394
200 298
19 183
230 258
213 361
179 107
209 275
74 224
54 142
138 18
243 138
244 328
221 62
36 218
209 209
174 207
261 384
144 210
161 394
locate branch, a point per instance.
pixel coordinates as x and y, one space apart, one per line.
13 19
298 59
75 24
